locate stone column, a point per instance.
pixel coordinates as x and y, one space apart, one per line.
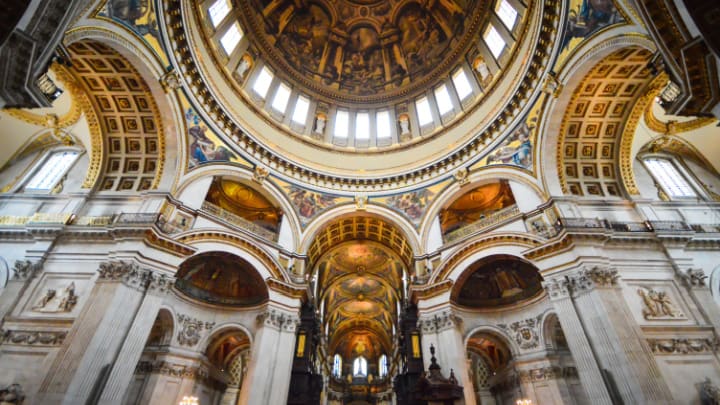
101 352
630 338
576 337
67 362
123 368
442 330
268 376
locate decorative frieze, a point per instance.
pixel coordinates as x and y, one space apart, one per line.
182 371
657 305
547 373
525 332
192 330
438 322
280 320
25 269
34 338
683 346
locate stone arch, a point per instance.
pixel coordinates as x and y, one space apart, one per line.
715 284
147 65
573 72
163 329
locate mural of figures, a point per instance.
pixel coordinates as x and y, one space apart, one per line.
139 16
411 204
584 19
517 148
308 203
348 55
202 149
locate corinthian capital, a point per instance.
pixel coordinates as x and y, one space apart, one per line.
280 320
115 270
25 269
603 276
438 321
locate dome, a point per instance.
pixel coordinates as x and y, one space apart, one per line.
344 91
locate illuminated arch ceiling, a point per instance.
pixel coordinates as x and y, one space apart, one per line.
598 114
362 57
132 130
360 287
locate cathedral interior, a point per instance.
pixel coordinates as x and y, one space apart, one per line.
350 202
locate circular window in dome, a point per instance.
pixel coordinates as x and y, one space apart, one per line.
221 278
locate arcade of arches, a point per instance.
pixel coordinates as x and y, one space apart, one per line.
360 202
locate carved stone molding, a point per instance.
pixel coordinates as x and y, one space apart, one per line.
33 338
541 374
438 322
115 270
694 278
192 330
683 346
525 332
283 321
26 270
183 371
170 81
603 276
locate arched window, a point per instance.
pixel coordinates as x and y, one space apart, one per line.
360 367
51 170
337 366
383 366
673 182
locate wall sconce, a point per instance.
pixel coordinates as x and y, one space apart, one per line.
523 402
189 400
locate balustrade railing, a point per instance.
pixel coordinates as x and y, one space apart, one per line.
490 220
239 221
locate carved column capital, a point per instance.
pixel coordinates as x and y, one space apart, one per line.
280 320
603 276
557 288
26 270
574 283
115 270
438 321
693 278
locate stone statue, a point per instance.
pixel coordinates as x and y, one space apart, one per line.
320 121
658 305
54 302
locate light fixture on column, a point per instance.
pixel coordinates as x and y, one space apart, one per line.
523 401
189 400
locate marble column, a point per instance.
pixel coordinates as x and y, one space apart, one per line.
268 378
123 368
630 338
576 337
67 362
442 329
110 335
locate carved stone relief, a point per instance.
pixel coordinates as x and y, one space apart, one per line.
438 322
694 277
683 346
279 320
27 337
657 305
192 330
55 300
524 332
25 269
12 394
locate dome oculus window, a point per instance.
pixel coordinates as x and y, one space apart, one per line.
462 84
423 111
218 11
262 82
282 96
362 126
302 105
669 177
342 122
506 13
360 367
51 171
383 124
494 41
231 38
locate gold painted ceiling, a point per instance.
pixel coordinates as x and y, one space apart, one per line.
362 50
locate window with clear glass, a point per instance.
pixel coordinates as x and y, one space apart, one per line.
337 366
670 178
423 111
383 366
442 96
302 105
360 367
262 82
218 11
231 38
282 96
506 13
342 123
51 171
362 125
494 41
462 84
383 124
